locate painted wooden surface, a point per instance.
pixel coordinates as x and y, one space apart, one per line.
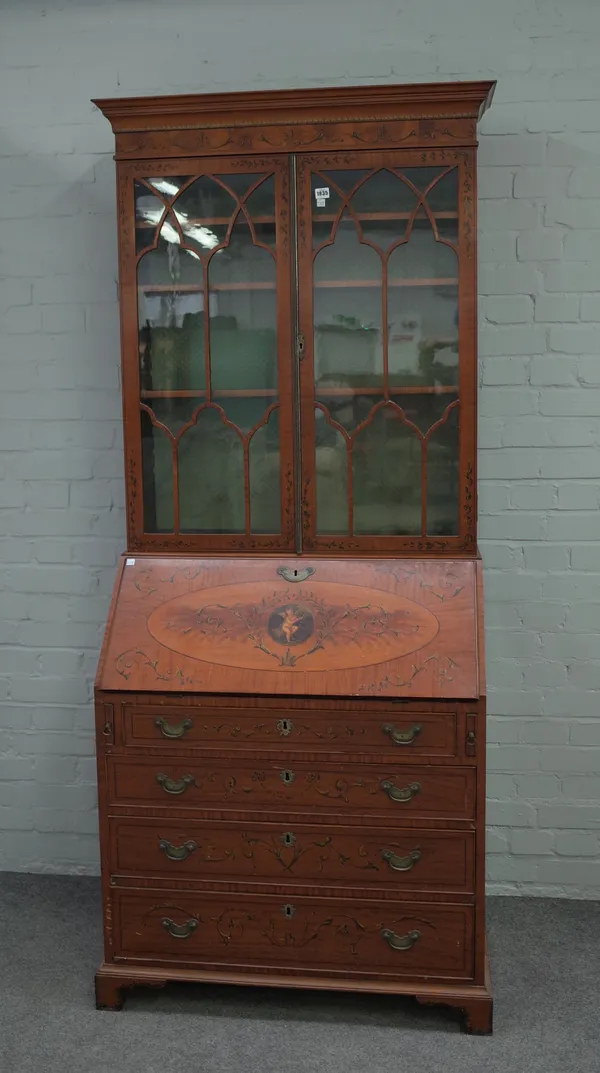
352 628
396 939
294 853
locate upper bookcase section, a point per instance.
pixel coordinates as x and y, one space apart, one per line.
355 117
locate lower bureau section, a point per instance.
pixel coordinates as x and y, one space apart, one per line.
326 936
292 853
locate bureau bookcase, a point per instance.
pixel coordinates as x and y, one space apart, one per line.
290 698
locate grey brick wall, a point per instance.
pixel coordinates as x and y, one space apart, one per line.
61 491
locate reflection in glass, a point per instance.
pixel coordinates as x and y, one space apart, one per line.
348 406
168 186
387 477
209 281
331 477
347 311
265 487
169 292
260 206
422 257
157 470
211 477
442 478
243 328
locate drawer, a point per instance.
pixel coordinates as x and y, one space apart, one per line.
299 853
393 938
394 792
407 734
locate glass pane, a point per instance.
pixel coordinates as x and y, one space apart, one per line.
247 412
157 467
331 477
260 204
349 407
265 488
422 258
174 413
347 310
423 312
170 298
403 223
424 410
209 281
243 326
211 477
204 211
387 477
442 478
149 211
169 185
443 196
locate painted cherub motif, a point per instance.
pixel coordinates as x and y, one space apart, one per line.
289 623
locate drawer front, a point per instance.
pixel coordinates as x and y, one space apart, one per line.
192 849
264 784
382 938
406 734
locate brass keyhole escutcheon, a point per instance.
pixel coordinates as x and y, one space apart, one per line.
288 839
287 777
288 911
285 727
295 576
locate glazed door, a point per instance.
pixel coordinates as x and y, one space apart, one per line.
386 284
206 293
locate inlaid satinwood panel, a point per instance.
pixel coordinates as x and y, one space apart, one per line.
404 733
300 933
294 853
269 783
265 626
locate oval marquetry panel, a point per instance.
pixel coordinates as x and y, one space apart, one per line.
315 626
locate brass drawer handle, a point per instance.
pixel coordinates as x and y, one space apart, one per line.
402 737
179 931
177 853
175 786
397 794
400 942
401 864
169 731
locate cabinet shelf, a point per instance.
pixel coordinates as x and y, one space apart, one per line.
418 281
217 393
197 288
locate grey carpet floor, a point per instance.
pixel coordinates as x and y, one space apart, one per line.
546 977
